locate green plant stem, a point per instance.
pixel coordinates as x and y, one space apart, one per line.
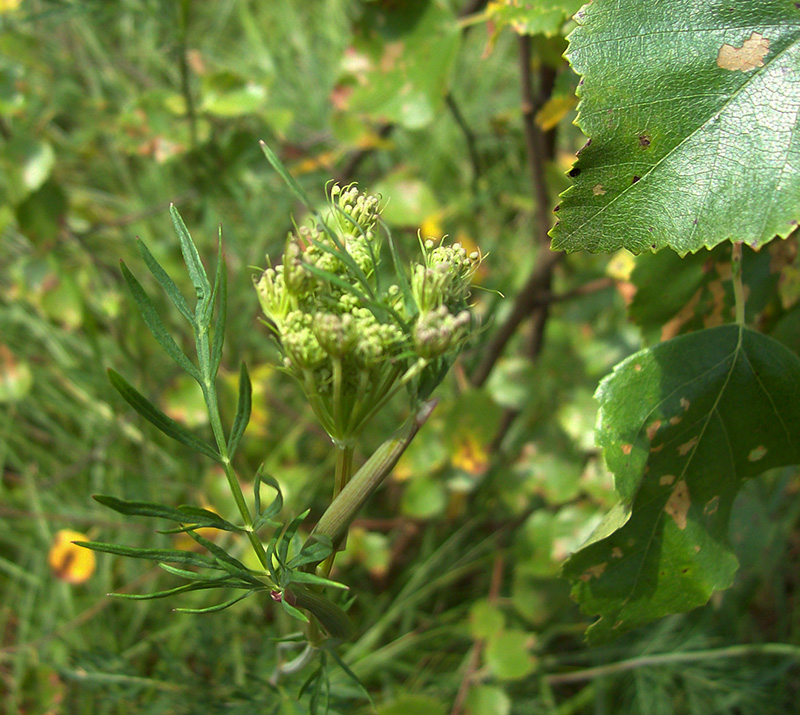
738 285
338 516
212 402
344 470
737 651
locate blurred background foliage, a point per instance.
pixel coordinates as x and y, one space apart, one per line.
109 112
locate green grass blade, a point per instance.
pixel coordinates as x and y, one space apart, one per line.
243 407
152 414
165 281
197 273
155 324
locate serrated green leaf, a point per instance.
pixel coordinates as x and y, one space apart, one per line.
197 273
150 412
156 325
692 111
243 408
175 556
165 281
682 426
195 516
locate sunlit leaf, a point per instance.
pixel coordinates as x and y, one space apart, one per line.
692 111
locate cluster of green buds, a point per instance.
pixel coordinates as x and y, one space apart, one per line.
353 329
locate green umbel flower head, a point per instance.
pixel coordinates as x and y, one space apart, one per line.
351 335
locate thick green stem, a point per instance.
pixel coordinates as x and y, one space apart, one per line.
344 470
337 518
738 285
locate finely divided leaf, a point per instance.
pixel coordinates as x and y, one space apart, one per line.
156 325
165 281
682 426
193 515
167 425
692 111
191 257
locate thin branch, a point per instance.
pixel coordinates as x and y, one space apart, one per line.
469 137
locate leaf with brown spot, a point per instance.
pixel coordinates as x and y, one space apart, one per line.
750 55
738 392
698 101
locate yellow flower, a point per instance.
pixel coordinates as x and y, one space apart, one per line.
69 562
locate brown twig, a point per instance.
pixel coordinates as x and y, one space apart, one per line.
531 302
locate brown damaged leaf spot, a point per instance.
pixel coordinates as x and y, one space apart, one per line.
594 572
685 404
686 447
626 448
711 506
652 429
666 480
745 58
675 420
678 504
616 552
598 190
757 453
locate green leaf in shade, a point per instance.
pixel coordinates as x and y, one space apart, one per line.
409 704
488 700
700 291
545 17
691 107
197 273
175 556
165 281
193 515
401 61
243 407
682 426
156 325
150 412
508 655
220 291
